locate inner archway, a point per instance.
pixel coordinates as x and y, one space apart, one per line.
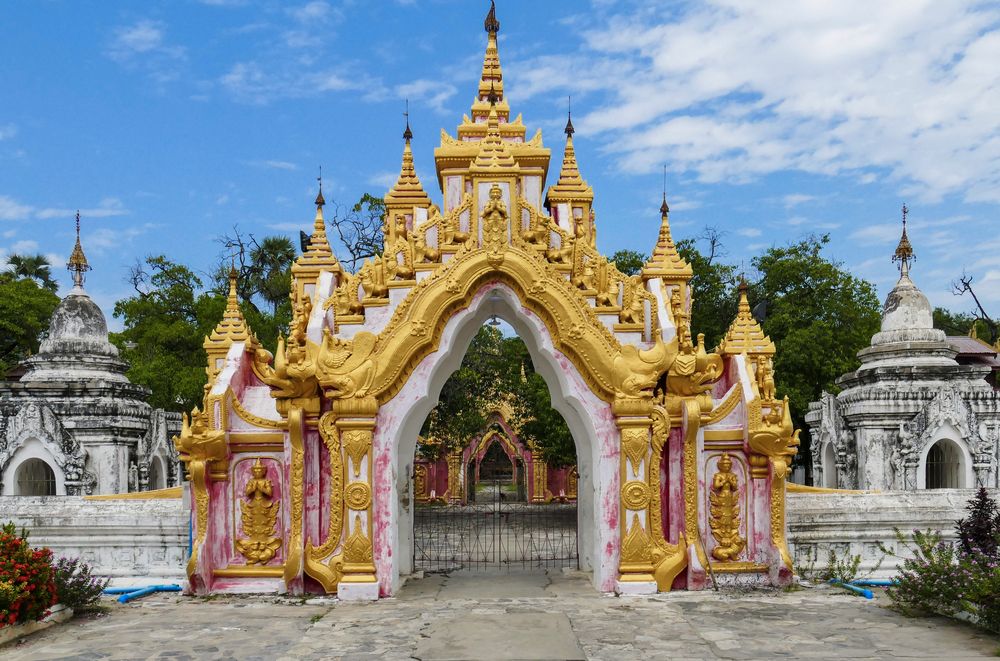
590 421
36 478
829 466
943 468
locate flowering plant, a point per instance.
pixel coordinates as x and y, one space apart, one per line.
28 575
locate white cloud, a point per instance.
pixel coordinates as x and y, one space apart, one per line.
108 207
432 93
795 199
735 89
11 209
25 247
749 231
143 46
7 131
9 234
313 12
384 179
222 199
291 227
251 82
273 164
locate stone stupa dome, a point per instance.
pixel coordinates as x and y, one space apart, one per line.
77 327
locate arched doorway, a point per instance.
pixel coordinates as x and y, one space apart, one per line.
829 466
944 468
589 419
35 478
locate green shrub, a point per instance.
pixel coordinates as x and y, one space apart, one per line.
76 586
28 572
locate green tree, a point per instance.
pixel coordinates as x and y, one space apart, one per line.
713 286
25 311
543 425
960 323
165 323
34 267
819 316
629 262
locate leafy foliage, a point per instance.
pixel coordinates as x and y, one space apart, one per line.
713 286
27 589
941 578
25 311
33 267
980 531
76 586
629 262
541 424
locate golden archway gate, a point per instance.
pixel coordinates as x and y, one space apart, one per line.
312 425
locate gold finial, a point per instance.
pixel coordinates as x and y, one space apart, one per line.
319 196
77 263
491 23
664 208
569 130
745 335
904 251
232 327
407 133
570 185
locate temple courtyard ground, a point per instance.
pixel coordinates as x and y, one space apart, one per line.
515 616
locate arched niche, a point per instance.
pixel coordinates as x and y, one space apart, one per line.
590 420
157 475
33 450
945 462
829 466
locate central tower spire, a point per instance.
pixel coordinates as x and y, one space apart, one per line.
77 260
491 80
904 251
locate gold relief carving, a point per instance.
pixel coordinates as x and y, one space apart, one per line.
246 416
452 286
418 328
635 495
669 560
495 226
537 288
357 442
572 480
454 474
372 279
694 370
358 495
259 517
346 367
772 434
636 371
778 519
420 483
635 545
540 478
293 560
635 444
198 445
331 438
693 409
724 512
358 548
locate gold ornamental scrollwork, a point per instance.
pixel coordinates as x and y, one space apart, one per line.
635 444
358 548
635 495
357 442
358 496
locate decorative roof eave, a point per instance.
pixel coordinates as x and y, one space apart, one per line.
408 191
493 155
232 327
666 262
745 335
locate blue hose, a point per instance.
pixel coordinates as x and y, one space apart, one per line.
877 582
128 594
867 594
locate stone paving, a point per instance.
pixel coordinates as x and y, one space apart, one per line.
510 617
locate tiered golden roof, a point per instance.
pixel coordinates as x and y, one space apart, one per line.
318 255
232 327
571 185
491 80
493 153
745 335
408 191
666 262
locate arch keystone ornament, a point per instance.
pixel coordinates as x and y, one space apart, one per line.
367 354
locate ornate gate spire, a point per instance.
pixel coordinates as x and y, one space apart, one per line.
77 260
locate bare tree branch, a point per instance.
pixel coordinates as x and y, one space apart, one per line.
964 285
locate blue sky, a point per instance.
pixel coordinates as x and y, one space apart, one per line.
167 123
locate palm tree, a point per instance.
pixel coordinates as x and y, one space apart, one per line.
35 267
272 262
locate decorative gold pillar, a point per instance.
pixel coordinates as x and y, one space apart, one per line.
539 478
454 476
355 421
635 426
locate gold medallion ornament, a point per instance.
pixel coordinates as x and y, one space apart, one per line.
635 495
358 495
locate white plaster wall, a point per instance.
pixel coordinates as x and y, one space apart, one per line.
117 537
855 523
31 449
589 419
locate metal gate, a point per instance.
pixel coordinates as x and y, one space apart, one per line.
493 533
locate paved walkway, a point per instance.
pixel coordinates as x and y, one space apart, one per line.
509 617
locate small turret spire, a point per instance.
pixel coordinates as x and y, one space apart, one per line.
319 196
407 133
664 208
569 117
491 23
408 190
745 334
491 80
904 251
77 263
666 261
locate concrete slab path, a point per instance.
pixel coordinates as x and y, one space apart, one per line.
515 616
